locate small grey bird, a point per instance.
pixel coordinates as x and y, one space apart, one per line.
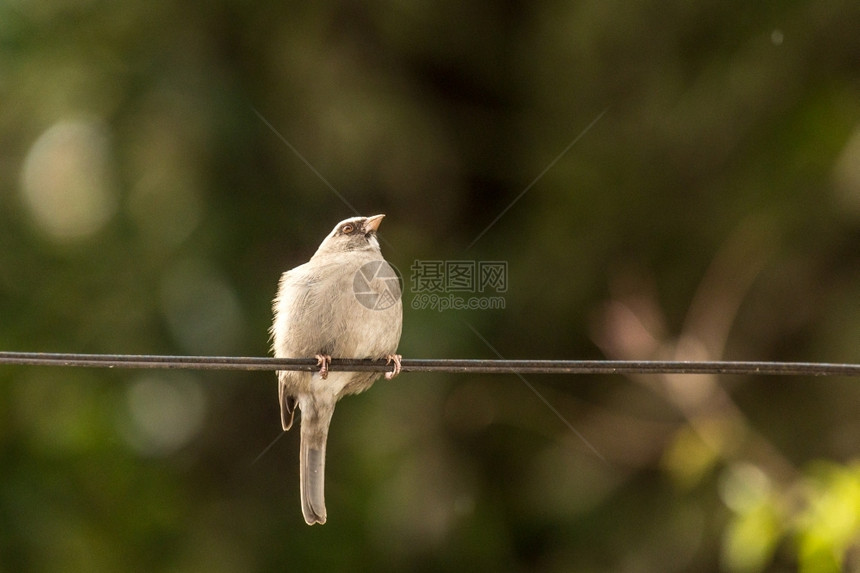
344 303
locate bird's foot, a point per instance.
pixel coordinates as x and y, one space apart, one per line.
323 361
396 359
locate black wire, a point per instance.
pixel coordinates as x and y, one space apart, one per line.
432 365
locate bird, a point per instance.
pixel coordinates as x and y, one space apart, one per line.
345 302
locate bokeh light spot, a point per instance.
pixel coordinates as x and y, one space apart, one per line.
201 309
66 181
166 412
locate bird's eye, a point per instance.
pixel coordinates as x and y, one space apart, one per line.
347 229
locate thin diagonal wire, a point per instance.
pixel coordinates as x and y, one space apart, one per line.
267 448
315 171
305 161
539 177
457 366
543 399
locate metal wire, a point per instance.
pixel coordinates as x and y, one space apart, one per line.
431 365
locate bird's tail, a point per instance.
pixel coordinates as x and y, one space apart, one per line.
315 423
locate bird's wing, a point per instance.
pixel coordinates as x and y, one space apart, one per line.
288 404
302 312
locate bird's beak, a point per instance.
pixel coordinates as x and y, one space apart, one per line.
372 223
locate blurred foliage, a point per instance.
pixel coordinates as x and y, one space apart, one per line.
163 162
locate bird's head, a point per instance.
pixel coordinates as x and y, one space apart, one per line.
354 234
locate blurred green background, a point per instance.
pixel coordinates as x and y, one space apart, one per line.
161 163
